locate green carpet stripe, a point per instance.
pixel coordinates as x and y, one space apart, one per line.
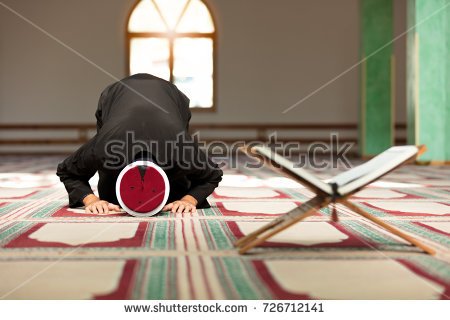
434 267
423 231
137 286
221 241
224 279
443 191
240 279
417 193
41 194
231 237
156 286
160 237
261 288
13 231
12 206
206 233
171 233
373 211
370 235
211 212
295 195
173 278
49 209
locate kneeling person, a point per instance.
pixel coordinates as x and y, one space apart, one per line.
155 113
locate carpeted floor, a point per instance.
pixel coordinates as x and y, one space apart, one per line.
50 251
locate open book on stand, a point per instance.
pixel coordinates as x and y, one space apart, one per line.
337 190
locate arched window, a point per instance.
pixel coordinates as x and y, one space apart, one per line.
174 40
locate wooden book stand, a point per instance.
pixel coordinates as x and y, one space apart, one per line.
322 199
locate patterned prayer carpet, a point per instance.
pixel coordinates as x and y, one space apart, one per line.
48 251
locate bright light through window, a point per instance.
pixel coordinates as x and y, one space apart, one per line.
174 40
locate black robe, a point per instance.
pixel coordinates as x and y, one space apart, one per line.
141 116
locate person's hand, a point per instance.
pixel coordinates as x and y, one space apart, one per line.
184 205
94 205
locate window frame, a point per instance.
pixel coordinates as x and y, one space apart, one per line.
209 35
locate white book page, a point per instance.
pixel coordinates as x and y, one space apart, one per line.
359 176
289 165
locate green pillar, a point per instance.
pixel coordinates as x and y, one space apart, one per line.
428 75
376 128
447 86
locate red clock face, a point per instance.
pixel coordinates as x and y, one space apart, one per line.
142 189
